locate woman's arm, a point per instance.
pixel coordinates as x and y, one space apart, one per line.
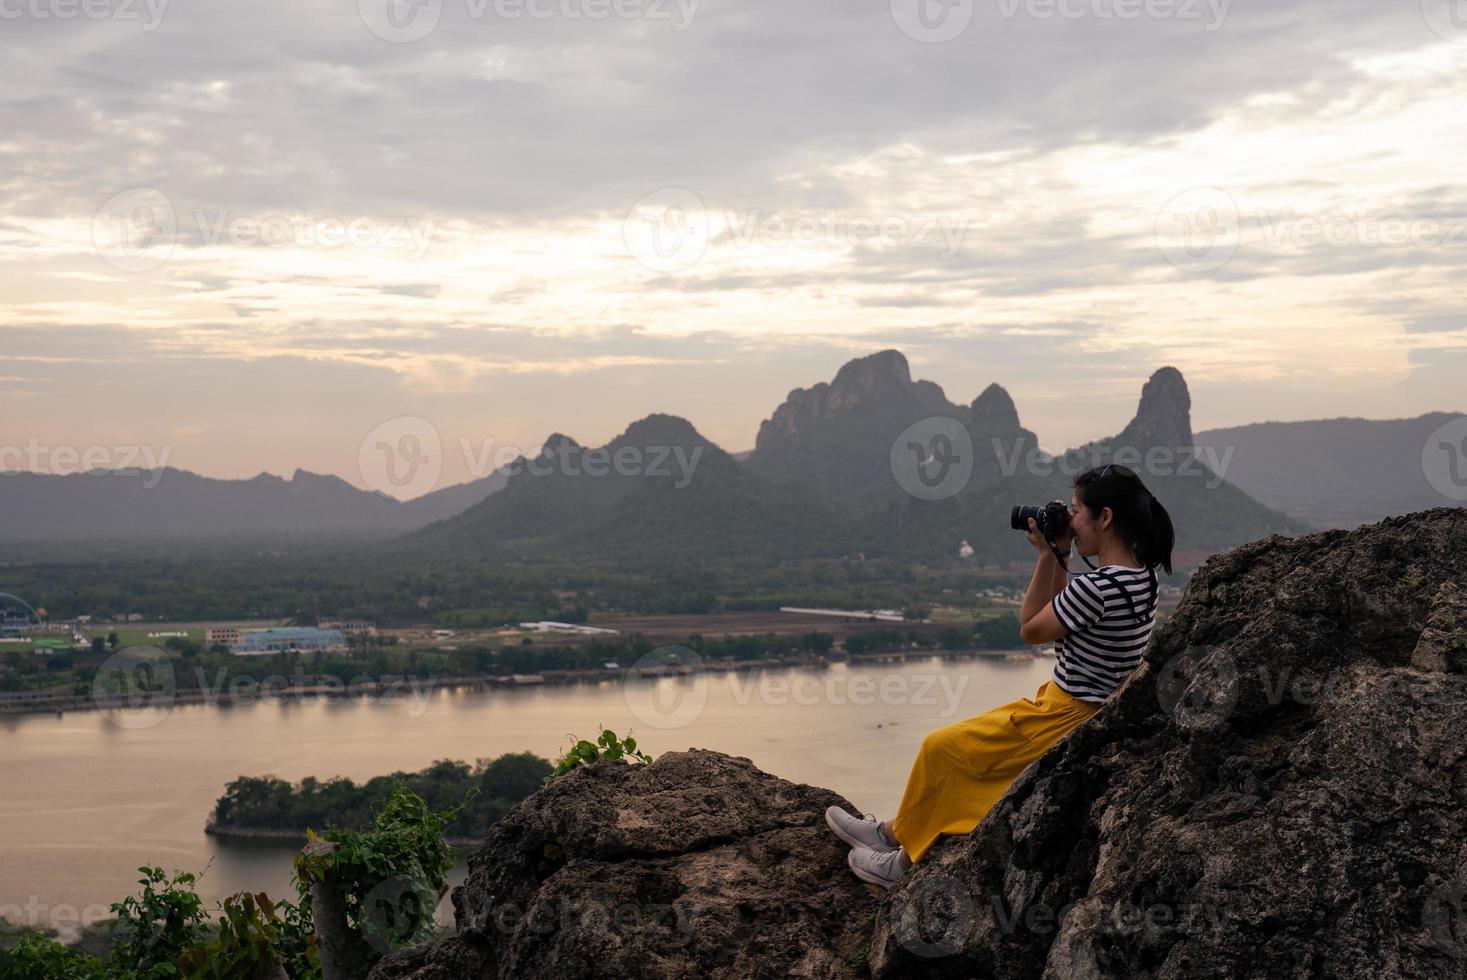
1037 621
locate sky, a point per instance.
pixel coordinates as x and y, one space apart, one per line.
255 237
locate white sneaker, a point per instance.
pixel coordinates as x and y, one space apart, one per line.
858 832
882 868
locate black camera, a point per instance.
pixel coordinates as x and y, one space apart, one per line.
1051 519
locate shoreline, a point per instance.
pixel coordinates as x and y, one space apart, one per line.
20 704
297 837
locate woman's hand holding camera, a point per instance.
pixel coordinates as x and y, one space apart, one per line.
1062 540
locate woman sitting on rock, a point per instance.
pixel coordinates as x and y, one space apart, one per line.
1100 622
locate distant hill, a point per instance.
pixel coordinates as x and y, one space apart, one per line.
176 503
1333 472
658 490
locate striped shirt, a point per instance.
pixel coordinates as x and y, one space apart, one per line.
1104 639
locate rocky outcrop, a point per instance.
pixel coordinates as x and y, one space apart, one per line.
1279 791
698 865
1164 415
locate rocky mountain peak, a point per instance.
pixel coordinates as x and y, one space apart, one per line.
659 429
885 372
994 411
1164 416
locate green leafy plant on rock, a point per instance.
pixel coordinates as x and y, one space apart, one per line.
607 746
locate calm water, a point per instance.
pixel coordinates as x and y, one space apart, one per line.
87 799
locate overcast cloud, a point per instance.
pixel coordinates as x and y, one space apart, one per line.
252 232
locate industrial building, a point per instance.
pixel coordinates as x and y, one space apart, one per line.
287 638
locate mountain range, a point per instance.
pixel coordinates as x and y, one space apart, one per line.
173 503
872 462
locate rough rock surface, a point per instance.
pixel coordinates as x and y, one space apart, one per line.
698 865
1279 791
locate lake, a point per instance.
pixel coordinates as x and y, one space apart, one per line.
89 796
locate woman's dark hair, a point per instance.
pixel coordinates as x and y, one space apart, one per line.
1140 519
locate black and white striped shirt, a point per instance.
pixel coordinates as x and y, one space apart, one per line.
1105 638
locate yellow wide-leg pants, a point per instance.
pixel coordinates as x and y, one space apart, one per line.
962 769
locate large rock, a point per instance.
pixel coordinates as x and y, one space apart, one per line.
698 865
1278 791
